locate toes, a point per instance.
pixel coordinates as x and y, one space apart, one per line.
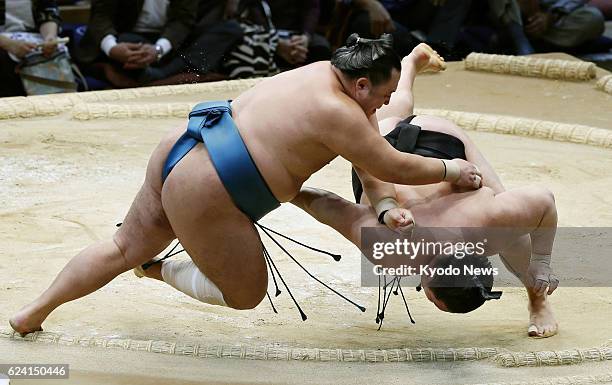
535 331
551 331
532 331
542 332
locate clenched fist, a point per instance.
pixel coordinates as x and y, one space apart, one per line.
399 220
462 173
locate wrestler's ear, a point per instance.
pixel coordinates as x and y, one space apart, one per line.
363 85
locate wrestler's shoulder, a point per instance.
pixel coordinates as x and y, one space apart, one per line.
338 106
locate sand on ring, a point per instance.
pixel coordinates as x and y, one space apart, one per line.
66 182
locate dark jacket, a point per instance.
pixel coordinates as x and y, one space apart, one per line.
42 11
117 16
295 15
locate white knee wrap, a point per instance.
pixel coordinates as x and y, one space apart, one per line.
187 278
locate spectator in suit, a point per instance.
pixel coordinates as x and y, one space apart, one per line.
40 16
439 21
149 40
296 21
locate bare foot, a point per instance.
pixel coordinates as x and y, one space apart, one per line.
23 322
542 323
426 59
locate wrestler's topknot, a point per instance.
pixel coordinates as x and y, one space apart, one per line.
371 58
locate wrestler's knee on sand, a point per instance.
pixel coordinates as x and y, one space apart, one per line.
185 276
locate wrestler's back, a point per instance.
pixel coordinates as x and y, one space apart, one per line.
280 119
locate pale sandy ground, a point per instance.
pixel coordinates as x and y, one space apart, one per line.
65 184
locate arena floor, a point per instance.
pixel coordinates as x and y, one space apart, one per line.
67 179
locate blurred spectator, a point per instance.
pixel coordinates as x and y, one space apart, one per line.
149 40
254 55
216 33
296 21
563 24
16 16
605 6
506 16
438 21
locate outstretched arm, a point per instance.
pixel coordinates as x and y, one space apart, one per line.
375 155
345 217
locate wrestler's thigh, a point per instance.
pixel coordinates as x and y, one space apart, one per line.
145 231
481 215
220 239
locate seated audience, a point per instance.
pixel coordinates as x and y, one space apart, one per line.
506 18
141 41
296 21
436 22
17 16
561 24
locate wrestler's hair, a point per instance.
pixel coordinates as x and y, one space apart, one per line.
367 58
462 293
